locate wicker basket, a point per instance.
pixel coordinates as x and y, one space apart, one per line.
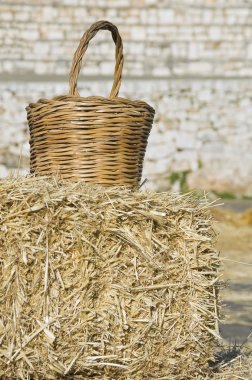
97 139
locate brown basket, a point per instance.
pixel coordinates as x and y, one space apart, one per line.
97 139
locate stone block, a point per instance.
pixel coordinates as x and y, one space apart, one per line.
159 167
41 48
184 161
215 33
3 171
107 68
161 71
138 33
185 140
31 34
23 15
55 34
165 16
41 68
49 13
6 16
7 66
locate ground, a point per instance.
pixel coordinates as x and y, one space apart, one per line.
234 228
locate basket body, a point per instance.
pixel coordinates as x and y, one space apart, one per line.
97 139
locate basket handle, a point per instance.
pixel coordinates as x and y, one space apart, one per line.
83 45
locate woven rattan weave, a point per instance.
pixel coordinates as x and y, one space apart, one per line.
97 139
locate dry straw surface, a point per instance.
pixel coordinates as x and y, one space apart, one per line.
104 283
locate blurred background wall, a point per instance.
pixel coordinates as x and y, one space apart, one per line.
190 59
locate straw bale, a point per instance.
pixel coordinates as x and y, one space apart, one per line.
105 283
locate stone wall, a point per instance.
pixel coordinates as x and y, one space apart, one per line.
190 59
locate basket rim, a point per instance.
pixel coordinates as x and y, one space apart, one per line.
63 99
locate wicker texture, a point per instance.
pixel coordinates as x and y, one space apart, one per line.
97 139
